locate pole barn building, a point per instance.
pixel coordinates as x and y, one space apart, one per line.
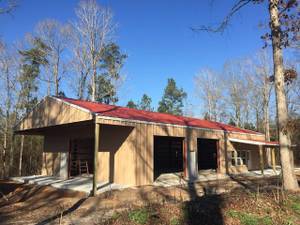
133 147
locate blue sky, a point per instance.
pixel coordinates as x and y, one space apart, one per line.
156 36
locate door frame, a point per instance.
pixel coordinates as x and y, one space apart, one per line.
218 160
184 153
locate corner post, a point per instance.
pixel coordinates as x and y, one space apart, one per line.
261 159
96 149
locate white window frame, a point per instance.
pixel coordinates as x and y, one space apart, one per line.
238 160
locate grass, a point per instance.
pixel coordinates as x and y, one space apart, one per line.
115 215
175 221
249 219
139 216
241 207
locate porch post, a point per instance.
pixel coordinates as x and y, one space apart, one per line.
96 148
185 160
226 151
273 159
261 159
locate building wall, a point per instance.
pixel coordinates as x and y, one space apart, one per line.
133 161
56 147
51 164
126 149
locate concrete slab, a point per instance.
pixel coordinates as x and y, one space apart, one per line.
84 183
80 183
175 179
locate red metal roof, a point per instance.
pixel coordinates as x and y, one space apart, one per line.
141 115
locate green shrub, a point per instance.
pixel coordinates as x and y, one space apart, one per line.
175 221
139 216
296 207
115 215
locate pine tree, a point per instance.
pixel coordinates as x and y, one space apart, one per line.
32 60
110 64
145 103
131 105
172 100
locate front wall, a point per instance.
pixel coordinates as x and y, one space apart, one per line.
116 161
134 159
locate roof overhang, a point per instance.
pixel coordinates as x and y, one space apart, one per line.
251 142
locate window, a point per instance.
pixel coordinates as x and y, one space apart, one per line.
239 157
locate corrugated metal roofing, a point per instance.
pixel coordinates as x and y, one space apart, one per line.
155 117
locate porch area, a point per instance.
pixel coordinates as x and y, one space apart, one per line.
206 178
78 183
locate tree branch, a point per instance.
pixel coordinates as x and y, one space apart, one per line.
9 7
223 25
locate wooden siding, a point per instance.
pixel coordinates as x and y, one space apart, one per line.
133 161
51 112
126 148
51 163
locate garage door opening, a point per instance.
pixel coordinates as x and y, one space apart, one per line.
168 155
207 153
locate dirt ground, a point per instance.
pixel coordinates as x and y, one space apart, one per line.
200 203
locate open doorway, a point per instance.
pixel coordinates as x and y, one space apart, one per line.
81 156
168 155
207 153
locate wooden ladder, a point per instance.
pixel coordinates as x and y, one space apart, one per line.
83 167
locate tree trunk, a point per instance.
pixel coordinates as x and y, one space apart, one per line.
266 99
267 131
4 149
21 155
56 78
288 175
94 83
11 158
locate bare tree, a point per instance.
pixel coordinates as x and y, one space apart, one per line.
94 29
209 90
237 98
54 35
80 64
7 6
286 154
284 28
259 89
8 79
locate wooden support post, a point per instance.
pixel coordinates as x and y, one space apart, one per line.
261 159
273 159
185 162
226 152
96 149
